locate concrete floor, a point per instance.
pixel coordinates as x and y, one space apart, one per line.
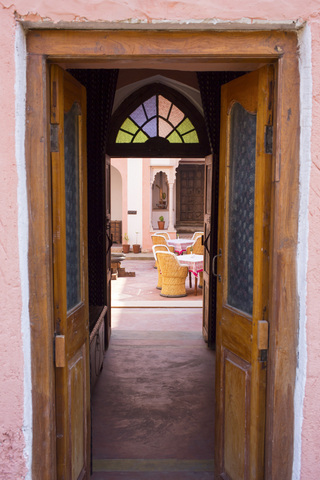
152 407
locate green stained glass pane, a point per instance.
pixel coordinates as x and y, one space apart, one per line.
124 137
191 137
174 137
129 126
140 138
185 126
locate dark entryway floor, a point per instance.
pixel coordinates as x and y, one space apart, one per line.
153 405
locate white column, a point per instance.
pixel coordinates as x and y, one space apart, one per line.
171 226
134 186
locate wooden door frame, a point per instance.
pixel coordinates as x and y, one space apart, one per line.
163 49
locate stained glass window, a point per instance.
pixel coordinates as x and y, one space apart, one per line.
157 117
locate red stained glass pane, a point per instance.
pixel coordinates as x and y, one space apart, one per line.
176 116
164 106
164 128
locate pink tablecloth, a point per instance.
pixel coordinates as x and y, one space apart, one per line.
180 244
193 262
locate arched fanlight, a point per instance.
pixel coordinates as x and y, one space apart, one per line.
157 117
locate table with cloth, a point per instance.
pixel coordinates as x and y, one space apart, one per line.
180 244
195 265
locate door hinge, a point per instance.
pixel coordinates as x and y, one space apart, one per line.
54 137
263 340
59 349
268 139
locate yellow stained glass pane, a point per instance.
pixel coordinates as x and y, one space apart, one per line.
164 106
191 137
124 137
140 138
164 128
185 126
129 126
174 137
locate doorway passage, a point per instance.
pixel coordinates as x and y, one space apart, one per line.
152 415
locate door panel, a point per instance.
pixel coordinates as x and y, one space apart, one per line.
207 239
69 209
237 395
243 268
109 241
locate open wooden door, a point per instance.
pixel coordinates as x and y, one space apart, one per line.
207 242
70 270
243 268
109 241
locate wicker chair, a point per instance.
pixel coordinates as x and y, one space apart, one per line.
161 240
164 234
197 248
159 248
196 234
173 275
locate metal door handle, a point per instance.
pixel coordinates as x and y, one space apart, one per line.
110 242
204 242
213 265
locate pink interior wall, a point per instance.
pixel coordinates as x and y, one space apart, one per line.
12 462
121 165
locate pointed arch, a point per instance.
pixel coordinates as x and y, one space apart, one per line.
157 121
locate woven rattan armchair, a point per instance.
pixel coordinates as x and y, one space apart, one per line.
159 248
161 240
173 275
196 234
197 248
164 234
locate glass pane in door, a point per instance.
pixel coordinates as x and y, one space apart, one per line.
241 208
71 162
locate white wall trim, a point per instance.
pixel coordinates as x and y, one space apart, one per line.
20 125
305 67
206 24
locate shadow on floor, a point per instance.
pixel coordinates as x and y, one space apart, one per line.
153 405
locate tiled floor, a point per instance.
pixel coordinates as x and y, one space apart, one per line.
153 403
141 290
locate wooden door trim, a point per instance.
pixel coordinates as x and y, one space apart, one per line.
167 50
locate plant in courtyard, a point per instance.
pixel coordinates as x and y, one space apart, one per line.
161 218
125 244
136 246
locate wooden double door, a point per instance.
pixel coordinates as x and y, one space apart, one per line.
240 268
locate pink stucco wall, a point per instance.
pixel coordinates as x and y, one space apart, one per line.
146 10
12 462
